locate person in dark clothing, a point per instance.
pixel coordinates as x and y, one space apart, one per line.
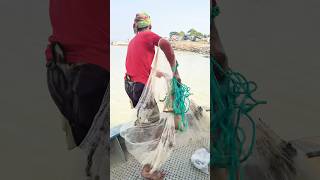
77 90
77 61
78 64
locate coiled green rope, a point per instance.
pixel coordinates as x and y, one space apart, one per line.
231 100
181 101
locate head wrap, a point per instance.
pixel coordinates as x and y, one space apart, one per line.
141 20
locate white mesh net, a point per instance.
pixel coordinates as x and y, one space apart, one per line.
152 134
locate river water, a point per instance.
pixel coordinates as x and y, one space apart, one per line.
194 71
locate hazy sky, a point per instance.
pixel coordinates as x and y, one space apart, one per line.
166 16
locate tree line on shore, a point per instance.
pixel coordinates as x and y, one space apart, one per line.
192 35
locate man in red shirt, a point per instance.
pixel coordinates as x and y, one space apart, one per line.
78 63
140 53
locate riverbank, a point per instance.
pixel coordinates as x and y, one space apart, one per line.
190 46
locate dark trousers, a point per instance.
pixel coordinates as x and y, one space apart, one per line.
77 90
134 91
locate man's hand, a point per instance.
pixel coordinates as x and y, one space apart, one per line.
159 74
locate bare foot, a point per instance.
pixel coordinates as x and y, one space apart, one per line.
157 175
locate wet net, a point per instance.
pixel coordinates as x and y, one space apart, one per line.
164 118
96 145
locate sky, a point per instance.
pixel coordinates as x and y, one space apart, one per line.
166 16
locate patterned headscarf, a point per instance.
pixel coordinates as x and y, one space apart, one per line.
141 20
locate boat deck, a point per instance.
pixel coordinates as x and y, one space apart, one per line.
177 167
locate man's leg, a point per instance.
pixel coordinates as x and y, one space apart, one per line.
157 175
154 116
134 91
78 92
60 90
129 90
89 89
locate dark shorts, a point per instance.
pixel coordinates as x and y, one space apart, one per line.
134 91
77 90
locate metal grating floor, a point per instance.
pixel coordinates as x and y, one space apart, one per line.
178 166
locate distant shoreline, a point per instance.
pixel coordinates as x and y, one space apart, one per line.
200 47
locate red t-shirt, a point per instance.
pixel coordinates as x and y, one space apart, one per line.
140 55
82 28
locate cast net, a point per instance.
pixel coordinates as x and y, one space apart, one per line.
95 144
164 118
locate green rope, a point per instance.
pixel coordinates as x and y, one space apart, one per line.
231 100
215 11
181 101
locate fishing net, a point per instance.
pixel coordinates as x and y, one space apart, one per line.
96 143
243 145
164 118
272 158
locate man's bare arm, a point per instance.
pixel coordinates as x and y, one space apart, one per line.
166 47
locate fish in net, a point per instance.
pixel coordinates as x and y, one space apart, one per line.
157 128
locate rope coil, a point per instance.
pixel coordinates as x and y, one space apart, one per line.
231 101
181 101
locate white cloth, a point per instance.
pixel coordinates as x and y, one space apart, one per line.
201 159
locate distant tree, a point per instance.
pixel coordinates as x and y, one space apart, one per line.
182 34
173 33
193 32
199 34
